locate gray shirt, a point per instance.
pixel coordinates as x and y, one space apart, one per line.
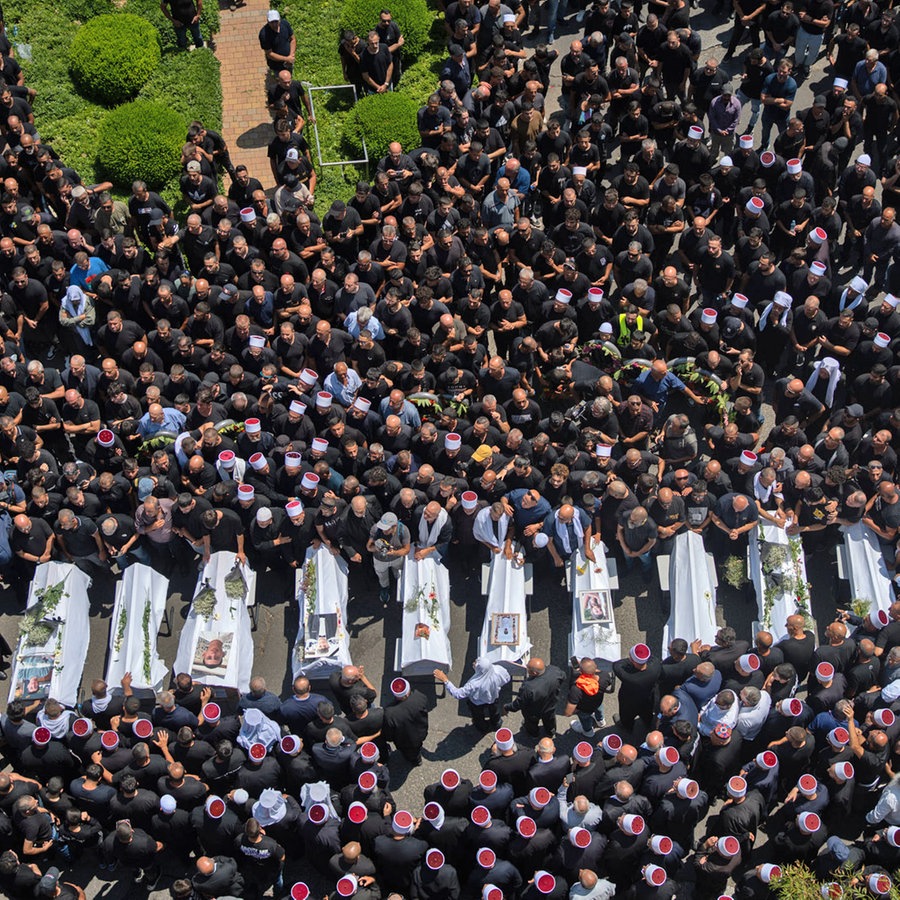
384 543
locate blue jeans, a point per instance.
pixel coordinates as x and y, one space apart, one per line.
806 47
755 106
181 33
556 10
590 721
645 559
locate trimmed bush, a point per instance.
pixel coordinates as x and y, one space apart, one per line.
422 78
111 57
413 18
82 10
188 83
141 140
382 118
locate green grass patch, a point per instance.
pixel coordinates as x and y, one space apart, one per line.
187 84
319 63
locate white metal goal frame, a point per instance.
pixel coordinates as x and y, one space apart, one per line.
309 88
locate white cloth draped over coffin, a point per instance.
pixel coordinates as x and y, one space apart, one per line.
692 592
506 594
217 649
139 609
598 641
424 591
783 575
53 668
320 588
867 570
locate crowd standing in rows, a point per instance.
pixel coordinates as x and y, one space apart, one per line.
527 277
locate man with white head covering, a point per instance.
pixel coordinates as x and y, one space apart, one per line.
481 691
492 528
258 728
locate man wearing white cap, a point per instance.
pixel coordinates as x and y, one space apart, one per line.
277 40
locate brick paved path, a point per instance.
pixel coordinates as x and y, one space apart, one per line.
246 123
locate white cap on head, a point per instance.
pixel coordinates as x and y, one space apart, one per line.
881 339
297 407
362 404
695 132
469 500
253 426
452 441
320 445
579 170
324 400
891 300
595 295
841 83
864 159
739 301
604 451
783 298
859 284
257 340
563 296
308 377
257 461
794 166
708 316
746 142
818 268
726 161
748 458
755 205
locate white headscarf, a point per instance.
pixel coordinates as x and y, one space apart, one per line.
257 728
484 686
77 303
270 808
764 318
428 532
485 528
58 727
833 368
562 531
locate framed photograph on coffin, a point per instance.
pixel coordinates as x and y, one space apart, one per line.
595 608
504 629
321 636
33 677
212 653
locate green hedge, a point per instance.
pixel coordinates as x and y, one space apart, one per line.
189 83
382 118
422 78
141 140
413 18
112 56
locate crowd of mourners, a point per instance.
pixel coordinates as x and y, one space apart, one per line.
531 332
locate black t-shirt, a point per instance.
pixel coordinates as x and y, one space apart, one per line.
224 535
79 541
266 853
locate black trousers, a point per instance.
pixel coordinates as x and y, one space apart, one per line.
485 717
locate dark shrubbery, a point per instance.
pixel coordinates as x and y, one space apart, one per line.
141 140
112 56
413 17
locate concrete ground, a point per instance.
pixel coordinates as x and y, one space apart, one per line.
640 616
